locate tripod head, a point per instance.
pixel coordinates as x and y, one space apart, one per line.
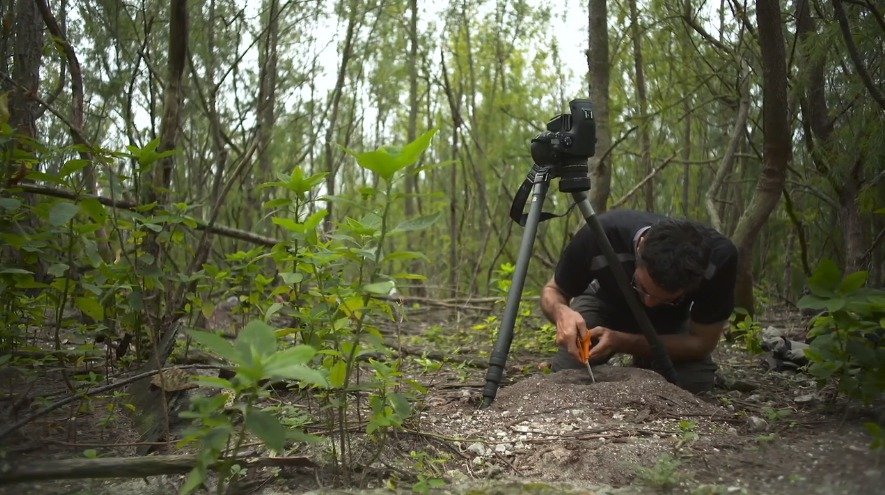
569 141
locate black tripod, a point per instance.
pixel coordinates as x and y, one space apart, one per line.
539 179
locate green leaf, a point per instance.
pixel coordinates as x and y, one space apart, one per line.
835 304
91 307
826 278
291 278
400 405
57 269
15 271
811 301
381 288
94 209
278 361
338 374
300 373
90 453
259 336
218 345
272 310
73 166
386 162
194 480
266 427
419 223
852 282
10 204
62 212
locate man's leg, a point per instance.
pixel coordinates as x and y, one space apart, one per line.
694 376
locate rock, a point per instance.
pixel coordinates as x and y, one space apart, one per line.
757 424
477 448
804 398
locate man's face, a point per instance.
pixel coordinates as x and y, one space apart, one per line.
650 293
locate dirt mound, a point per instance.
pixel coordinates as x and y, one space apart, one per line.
563 427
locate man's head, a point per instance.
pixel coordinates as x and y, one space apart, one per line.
674 254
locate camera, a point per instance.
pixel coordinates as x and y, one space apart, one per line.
569 141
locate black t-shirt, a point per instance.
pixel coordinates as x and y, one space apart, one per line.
583 261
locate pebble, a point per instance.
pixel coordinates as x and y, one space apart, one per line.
804 398
477 448
757 424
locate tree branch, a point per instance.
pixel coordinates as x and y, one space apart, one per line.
128 205
859 66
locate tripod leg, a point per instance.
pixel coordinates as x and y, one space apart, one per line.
659 354
498 359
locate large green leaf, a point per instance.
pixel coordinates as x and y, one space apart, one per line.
257 336
91 307
418 223
853 281
266 427
94 209
304 375
380 288
387 161
62 212
826 278
218 345
277 363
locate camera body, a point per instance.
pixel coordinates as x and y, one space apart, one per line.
569 141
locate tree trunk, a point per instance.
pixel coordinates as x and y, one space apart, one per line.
728 159
27 56
598 65
639 80
267 83
776 152
331 120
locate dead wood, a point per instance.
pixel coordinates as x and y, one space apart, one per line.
128 467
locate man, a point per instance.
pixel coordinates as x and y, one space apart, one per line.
682 272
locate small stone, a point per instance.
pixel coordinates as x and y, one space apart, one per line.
477 448
757 424
804 398
501 448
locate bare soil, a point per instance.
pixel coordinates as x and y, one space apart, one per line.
758 432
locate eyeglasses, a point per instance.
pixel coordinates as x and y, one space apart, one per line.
660 302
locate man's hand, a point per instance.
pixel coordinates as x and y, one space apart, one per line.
605 343
569 325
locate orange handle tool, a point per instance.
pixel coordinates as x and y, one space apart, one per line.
584 349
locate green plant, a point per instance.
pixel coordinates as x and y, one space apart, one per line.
746 331
664 475
222 421
847 336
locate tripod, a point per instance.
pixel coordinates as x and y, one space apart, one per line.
539 178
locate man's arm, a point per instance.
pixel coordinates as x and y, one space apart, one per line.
569 323
697 343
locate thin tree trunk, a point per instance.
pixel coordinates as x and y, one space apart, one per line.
76 118
776 147
331 120
639 80
267 82
455 109
728 159
598 65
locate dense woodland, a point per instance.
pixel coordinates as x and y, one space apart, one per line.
309 159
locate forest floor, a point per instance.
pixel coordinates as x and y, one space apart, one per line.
759 432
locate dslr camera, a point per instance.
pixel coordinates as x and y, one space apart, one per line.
569 141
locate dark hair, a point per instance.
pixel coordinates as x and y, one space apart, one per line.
676 254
